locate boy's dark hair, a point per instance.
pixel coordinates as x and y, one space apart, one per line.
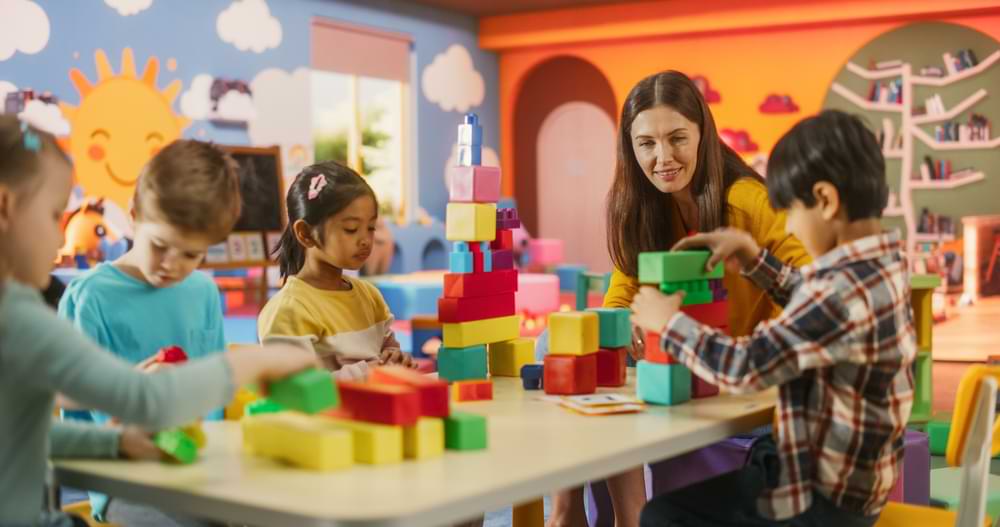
193 186
341 188
834 147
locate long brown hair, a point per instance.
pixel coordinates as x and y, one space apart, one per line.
638 213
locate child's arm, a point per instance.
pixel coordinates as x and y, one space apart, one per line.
68 439
391 352
813 331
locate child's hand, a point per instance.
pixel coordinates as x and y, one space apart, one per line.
151 365
261 364
136 443
730 245
638 348
356 371
651 309
396 356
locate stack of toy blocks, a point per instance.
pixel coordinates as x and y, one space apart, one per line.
614 336
570 368
660 379
477 307
921 293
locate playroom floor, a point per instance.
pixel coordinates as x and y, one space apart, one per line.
970 335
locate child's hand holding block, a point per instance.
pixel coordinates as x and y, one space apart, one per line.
309 391
171 355
177 446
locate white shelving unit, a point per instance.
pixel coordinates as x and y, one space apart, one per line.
910 128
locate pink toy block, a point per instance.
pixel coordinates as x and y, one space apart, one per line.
545 251
477 184
537 294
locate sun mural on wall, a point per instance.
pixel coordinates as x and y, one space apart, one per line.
121 122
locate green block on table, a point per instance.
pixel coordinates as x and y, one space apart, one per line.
178 446
614 326
460 364
464 431
675 266
946 485
663 384
937 436
307 391
263 406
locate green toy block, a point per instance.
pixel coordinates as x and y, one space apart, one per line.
307 391
615 327
465 431
946 487
664 384
924 281
676 266
263 406
460 364
695 291
178 446
937 436
923 388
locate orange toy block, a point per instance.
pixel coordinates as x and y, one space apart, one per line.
653 351
473 390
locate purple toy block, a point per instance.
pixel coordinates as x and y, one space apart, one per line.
699 465
916 468
503 259
507 219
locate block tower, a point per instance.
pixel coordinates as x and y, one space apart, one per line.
661 380
921 293
477 309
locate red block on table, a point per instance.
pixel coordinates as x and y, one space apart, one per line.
653 351
715 314
701 388
380 403
171 355
611 367
473 390
570 374
433 392
503 241
467 309
503 259
460 285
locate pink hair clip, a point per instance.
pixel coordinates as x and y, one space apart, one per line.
316 184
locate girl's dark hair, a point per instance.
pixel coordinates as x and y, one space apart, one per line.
342 187
638 214
834 147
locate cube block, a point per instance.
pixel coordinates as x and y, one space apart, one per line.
486 331
460 259
380 403
937 436
654 352
459 364
425 439
676 266
663 384
700 388
465 431
615 326
374 444
478 184
923 388
545 251
611 369
308 391
503 259
508 357
531 376
503 241
177 446
471 222
574 333
570 374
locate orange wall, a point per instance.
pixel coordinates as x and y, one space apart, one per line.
784 47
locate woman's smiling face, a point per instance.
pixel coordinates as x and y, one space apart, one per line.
665 144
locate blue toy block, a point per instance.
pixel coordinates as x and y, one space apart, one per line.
469 132
487 257
532 375
664 384
460 259
469 156
406 299
569 275
419 337
615 327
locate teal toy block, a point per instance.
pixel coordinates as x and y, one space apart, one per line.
308 391
460 259
615 327
676 266
177 446
923 388
465 431
937 436
569 275
663 384
459 364
263 406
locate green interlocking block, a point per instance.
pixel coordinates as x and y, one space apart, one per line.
923 388
459 364
178 446
676 266
464 431
263 406
937 436
615 327
307 391
695 291
664 384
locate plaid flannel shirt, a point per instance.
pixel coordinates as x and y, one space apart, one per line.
841 352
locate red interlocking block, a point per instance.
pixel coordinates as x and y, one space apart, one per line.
433 392
472 390
459 285
701 388
570 374
380 403
467 309
171 355
503 241
653 351
611 367
715 314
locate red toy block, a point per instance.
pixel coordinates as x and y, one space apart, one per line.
171 355
467 309
503 241
503 259
701 388
425 365
611 367
715 314
472 390
653 351
433 392
425 322
380 403
570 374
458 285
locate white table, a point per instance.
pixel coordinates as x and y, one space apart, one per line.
535 447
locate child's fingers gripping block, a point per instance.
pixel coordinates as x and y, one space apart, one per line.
472 390
464 431
177 446
374 444
459 364
676 266
471 222
570 374
425 439
486 331
308 391
611 370
380 403
304 441
574 333
615 328
508 357
531 376
433 393
664 384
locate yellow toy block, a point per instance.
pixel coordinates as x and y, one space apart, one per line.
304 441
574 333
923 315
471 222
196 433
374 444
507 357
425 439
486 331
237 408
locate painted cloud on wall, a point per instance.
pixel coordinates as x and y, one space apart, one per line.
284 116
738 140
775 103
248 25
452 82
129 7
24 27
5 88
45 116
196 102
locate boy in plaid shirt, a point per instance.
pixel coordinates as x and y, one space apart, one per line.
840 352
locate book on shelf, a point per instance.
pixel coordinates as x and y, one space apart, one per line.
977 128
949 63
886 92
